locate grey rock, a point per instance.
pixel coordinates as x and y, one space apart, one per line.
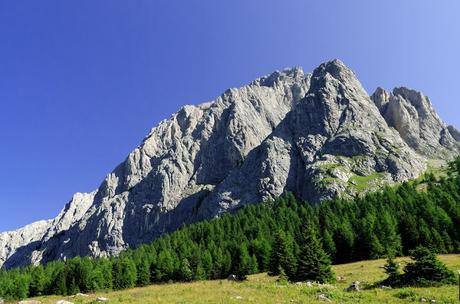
412 115
337 128
317 135
19 240
22 247
323 297
385 287
232 277
102 299
454 132
353 287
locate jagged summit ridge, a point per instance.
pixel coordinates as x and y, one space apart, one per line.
412 114
333 134
318 135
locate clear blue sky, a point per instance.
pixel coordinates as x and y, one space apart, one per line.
82 82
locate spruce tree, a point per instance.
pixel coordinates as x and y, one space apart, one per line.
200 273
242 262
427 269
143 272
282 277
313 263
282 256
392 270
38 281
186 273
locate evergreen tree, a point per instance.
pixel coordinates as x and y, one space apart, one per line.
59 284
427 269
124 273
282 277
242 262
185 271
165 266
199 272
392 270
282 256
143 272
313 262
38 281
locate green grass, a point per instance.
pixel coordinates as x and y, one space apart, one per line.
362 183
261 288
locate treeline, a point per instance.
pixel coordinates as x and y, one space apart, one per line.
268 237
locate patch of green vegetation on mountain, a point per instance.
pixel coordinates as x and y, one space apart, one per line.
363 183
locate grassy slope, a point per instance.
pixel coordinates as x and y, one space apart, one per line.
261 288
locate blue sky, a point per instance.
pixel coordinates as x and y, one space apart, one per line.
82 82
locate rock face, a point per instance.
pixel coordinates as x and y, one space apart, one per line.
21 245
318 135
454 132
412 115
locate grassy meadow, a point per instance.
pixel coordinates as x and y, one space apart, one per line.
261 288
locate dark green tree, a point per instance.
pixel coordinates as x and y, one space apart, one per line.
313 263
124 273
282 256
426 269
143 272
38 281
392 270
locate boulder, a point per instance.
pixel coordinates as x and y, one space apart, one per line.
323 297
353 287
232 277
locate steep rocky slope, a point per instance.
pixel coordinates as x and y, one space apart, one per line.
412 115
318 135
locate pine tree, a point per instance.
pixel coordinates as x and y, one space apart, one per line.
38 281
282 277
328 244
242 262
199 272
59 284
427 269
143 273
124 273
392 270
281 255
165 266
186 273
313 262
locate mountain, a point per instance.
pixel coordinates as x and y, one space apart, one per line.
317 135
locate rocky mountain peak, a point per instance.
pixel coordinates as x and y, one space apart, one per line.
288 74
336 69
317 135
412 114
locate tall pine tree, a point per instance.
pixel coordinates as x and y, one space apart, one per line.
313 263
282 256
